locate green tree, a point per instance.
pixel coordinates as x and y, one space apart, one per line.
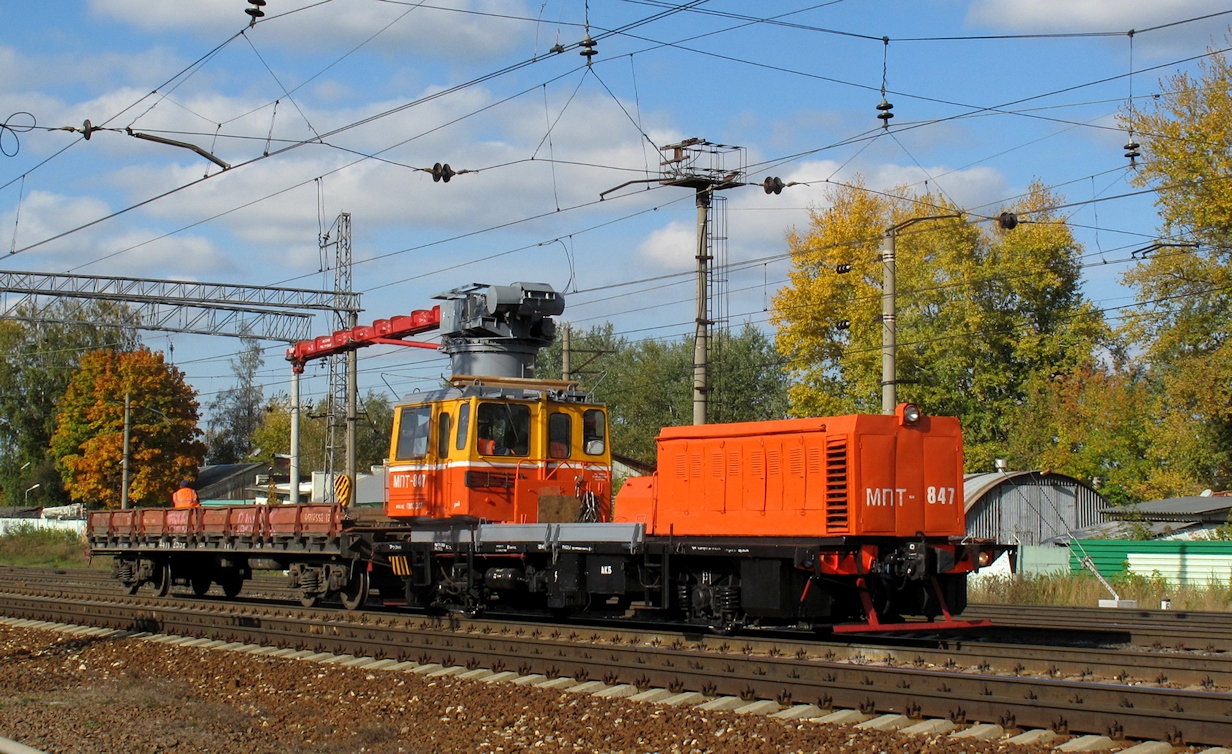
164 444
235 413
980 311
648 384
1093 423
39 352
1183 327
372 433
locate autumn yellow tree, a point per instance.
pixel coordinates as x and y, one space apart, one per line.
164 442
980 310
1183 326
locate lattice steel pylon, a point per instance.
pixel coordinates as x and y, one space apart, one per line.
341 413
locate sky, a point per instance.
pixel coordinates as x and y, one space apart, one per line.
341 105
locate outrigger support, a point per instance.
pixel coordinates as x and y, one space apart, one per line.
874 621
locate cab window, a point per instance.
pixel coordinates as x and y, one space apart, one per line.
442 436
464 425
413 427
594 432
560 436
503 429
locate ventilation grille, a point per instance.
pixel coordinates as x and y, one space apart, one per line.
836 485
489 480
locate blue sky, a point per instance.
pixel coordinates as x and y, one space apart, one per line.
794 83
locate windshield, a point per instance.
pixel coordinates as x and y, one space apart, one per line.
413 426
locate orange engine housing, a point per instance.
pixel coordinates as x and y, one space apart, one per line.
845 476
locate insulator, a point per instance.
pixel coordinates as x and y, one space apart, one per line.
1007 221
87 128
842 324
588 50
1131 150
773 185
884 113
842 269
442 172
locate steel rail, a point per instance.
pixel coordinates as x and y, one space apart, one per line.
1043 654
1177 629
1179 715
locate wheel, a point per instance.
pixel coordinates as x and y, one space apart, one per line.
162 580
201 584
231 582
355 594
309 599
130 587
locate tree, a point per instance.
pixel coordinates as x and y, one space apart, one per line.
1183 326
88 441
39 353
980 312
372 433
235 413
648 384
1093 423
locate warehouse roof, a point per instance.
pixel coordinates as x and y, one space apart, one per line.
1208 509
975 486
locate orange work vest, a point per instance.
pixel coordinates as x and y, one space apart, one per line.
185 497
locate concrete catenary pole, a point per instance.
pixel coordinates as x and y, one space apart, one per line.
128 406
889 342
293 472
566 357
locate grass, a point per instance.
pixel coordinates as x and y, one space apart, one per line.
1083 590
28 546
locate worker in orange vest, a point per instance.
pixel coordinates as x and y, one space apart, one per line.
186 496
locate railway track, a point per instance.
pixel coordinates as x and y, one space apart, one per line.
1160 629
1069 689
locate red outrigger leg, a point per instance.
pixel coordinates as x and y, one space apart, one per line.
874 621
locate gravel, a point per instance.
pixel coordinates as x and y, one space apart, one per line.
63 693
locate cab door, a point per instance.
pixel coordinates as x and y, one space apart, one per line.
411 476
442 492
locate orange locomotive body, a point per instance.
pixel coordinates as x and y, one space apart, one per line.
846 476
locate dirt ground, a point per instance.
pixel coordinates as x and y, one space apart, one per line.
66 694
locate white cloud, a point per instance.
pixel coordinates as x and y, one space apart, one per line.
1102 15
672 247
44 214
22 73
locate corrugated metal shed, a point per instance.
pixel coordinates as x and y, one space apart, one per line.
1028 507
